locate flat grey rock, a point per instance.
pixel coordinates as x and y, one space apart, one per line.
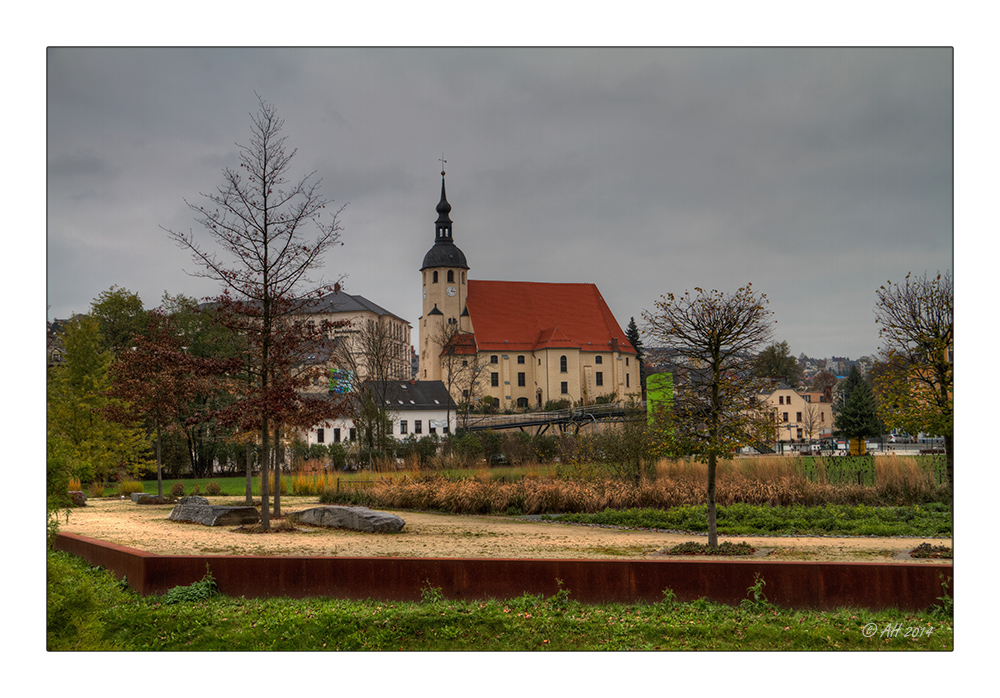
356 518
198 510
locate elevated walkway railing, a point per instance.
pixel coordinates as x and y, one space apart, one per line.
573 417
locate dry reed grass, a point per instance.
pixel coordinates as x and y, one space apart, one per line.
778 481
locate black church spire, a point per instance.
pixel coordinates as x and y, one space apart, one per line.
444 253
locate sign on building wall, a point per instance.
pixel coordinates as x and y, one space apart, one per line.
340 381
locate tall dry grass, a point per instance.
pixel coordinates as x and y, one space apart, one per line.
777 481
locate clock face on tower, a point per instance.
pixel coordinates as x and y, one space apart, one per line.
451 291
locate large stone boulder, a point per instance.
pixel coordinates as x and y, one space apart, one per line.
356 518
77 498
198 510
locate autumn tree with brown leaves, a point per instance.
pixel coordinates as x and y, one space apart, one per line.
715 411
915 385
261 220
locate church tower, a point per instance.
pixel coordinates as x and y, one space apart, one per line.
445 289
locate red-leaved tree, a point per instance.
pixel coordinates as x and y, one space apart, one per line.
157 380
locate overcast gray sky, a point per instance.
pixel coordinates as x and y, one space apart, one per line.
816 174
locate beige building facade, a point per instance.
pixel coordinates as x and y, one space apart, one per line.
368 341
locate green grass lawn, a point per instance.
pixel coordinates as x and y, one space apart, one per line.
932 520
89 610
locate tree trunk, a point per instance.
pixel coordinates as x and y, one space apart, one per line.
277 471
949 456
713 536
159 465
249 474
265 457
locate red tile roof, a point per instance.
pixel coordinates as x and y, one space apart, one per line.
527 316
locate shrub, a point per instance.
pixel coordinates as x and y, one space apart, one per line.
318 451
337 455
546 447
468 448
724 548
177 490
199 591
127 487
74 485
213 489
517 448
96 489
270 483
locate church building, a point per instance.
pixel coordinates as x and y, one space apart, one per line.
521 344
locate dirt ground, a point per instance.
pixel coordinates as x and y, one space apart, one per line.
147 528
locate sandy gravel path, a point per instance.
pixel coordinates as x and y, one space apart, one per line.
440 535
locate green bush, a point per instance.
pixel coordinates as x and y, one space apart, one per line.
468 448
201 590
177 490
213 489
318 452
128 487
517 448
337 455
546 447
492 447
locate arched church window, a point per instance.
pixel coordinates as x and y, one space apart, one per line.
451 276
562 364
435 280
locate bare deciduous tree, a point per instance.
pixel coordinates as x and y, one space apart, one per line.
259 219
371 352
461 367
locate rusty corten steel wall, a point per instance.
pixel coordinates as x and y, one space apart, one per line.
820 585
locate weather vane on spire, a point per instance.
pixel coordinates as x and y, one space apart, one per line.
443 161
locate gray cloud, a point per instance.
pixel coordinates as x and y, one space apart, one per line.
817 174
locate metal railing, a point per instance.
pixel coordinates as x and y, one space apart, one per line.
562 418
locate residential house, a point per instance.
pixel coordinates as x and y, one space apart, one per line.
800 417
417 408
